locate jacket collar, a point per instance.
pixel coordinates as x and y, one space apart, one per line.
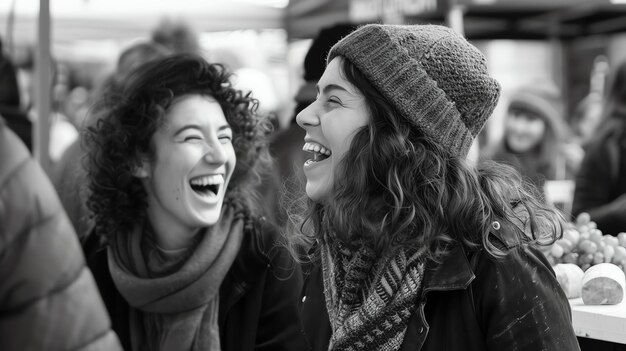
455 271
452 273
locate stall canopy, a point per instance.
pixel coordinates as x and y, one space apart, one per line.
304 18
482 19
531 19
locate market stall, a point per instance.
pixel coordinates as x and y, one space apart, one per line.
597 301
601 322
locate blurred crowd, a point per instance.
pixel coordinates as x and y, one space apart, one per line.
577 163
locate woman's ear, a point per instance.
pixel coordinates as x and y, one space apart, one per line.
141 169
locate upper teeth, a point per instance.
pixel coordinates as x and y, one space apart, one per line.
208 180
313 147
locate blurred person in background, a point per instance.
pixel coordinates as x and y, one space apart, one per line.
585 119
535 138
600 183
10 103
62 131
176 36
174 159
48 299
137 55
415 248
250 76
69 175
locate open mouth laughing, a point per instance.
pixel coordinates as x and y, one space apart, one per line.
319 152
207 185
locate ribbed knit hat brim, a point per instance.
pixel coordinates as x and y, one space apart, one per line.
432 76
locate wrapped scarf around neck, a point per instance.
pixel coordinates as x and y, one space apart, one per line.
369 299
178 310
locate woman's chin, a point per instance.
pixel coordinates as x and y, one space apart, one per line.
204 220
315 195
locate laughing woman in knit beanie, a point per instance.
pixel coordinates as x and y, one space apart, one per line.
172 162
413 248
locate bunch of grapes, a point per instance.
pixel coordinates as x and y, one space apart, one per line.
585 245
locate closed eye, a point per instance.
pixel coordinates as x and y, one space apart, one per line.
334 100
192 138
225 135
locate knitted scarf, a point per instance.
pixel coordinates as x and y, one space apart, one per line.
178 310
369 299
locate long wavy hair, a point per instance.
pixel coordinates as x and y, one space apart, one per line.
397 188
127 119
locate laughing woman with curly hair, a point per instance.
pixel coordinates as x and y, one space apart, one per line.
189 264
413 248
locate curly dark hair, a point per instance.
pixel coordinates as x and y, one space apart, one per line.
127 119
396 187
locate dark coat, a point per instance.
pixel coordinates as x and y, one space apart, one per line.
69 178
601 180
48 299
18 121
474 302
258 297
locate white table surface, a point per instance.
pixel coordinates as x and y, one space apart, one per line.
601 322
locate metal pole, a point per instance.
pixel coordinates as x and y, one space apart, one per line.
454 16
44 81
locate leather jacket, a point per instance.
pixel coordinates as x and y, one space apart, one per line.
473 301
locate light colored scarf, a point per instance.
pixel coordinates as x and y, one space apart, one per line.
177 311
369 299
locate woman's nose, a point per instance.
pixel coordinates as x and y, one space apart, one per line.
215 152
307 117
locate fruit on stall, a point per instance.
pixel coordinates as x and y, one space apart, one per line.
570 277
585 245
603 284
589 263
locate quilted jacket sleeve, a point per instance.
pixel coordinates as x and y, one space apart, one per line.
48 298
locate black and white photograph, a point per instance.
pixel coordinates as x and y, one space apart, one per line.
313 175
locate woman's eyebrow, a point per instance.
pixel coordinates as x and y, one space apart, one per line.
199 128
185 127
330 87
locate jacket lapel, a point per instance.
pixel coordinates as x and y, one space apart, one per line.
453 273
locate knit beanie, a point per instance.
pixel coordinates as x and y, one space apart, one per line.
433 76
